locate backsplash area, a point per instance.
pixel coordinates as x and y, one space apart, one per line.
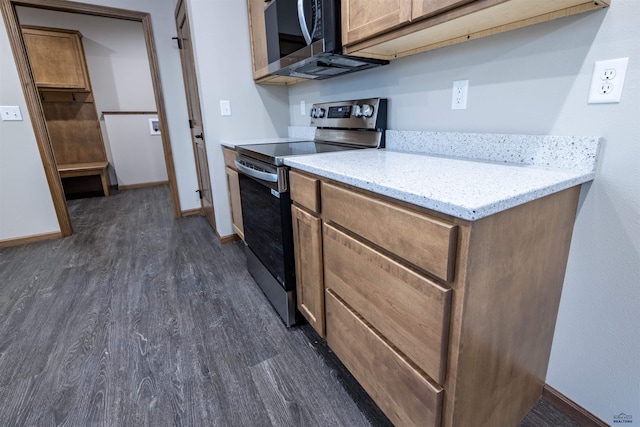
577 153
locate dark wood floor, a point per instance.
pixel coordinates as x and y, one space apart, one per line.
143 319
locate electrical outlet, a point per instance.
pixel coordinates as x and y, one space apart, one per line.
225 108
607 81
605 88
459 95
10 113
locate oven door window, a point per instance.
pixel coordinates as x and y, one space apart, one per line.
265 219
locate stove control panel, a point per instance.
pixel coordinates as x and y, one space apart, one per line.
370 114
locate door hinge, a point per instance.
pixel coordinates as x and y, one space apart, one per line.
179 41
191 124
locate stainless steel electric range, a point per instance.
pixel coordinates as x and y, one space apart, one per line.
265 198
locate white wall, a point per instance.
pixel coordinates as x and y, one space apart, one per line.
535 80
223 61
138 157
26 207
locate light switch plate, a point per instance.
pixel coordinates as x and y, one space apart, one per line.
303 108
10 113
225 107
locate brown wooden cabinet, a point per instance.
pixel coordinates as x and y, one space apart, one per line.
362 19
424 8
258 38
57 59
233 189
60 72
389 30
307 240
443 321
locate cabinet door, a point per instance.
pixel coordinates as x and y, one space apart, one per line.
57 59
307 243
424 8
258 38
233 185
362 19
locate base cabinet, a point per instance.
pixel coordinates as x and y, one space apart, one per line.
443 321
233 189
307 239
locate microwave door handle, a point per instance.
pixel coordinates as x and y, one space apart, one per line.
303 22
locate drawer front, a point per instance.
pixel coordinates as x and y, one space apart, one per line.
426 242
229 157
305 191
406 396
409 310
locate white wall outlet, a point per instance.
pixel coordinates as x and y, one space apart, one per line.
459 96
10 112
225 107
607 81
303 108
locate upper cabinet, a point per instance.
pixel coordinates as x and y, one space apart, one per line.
388 30
258 38
57 59
362 19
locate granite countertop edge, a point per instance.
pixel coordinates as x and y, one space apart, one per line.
393 184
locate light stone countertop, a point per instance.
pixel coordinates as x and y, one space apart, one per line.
465 188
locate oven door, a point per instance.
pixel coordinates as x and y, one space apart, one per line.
266 215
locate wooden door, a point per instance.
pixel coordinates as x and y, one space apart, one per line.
307 242
362 19
195 115
425 8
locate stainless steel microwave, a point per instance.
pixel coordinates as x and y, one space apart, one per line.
303 40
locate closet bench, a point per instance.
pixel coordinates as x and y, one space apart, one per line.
87 169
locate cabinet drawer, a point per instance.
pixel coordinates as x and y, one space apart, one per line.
406 396
411 311
426 242
305 191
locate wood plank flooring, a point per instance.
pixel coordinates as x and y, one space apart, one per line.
140 319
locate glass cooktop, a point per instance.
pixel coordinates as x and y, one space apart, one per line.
274 152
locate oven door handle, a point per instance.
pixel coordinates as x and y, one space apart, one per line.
264 176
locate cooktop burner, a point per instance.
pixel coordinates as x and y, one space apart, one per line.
274 152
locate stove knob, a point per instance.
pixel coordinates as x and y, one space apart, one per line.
312 112
367 110
357 111
320 112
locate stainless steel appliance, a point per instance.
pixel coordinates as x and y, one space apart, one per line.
303 40
265 198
